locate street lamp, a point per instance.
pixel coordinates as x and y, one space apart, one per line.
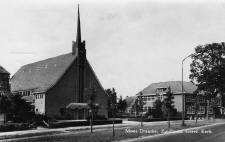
183 99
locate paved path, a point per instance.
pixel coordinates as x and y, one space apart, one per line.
209 133
45 131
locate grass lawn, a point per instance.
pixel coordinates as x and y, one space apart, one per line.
105 135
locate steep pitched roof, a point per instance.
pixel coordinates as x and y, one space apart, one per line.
42 75
176 87
2 70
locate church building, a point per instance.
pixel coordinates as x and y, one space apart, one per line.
61 84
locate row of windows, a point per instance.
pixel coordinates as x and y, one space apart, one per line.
148 98
39 96
146 108
201 99
151 98
191 110
193 99
161 90
25 93
201 110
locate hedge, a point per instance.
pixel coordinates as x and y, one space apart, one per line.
14 127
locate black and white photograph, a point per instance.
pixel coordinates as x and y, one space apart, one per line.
112 71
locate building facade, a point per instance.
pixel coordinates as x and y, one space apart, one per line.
4 86
55 84
158 91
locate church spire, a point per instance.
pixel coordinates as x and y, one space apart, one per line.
78 40
78 45
79 51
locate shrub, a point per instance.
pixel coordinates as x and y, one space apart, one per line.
14 127
97 117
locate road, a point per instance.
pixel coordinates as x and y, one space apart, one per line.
214 133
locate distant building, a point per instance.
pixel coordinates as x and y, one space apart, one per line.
158 91
61 83
4 86
4 81
130 102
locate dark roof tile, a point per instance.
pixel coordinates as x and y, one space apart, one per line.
42 75
176 87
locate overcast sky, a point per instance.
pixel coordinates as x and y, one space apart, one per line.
130 44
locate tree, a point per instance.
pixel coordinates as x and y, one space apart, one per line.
90 97
168 107
208 70
112 101
138 106
20 109
121 105
4 106
112 104
157 111
16 107
196 107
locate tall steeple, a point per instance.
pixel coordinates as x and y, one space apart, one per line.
78 40
80 52
78 45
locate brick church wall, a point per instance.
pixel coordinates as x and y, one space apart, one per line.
63 92
101 97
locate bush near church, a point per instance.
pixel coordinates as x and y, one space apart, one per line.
16 109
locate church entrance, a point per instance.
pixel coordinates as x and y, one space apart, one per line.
79 111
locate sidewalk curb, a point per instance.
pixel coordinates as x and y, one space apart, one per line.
31 133
168 133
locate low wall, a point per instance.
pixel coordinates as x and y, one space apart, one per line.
82 123
154 119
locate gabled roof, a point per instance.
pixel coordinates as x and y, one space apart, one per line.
176 87
42 75
2 70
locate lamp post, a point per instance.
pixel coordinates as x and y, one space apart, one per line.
183 98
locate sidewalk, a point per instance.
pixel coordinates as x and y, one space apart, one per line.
45 131
151 137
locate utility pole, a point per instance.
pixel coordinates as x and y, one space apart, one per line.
183 97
